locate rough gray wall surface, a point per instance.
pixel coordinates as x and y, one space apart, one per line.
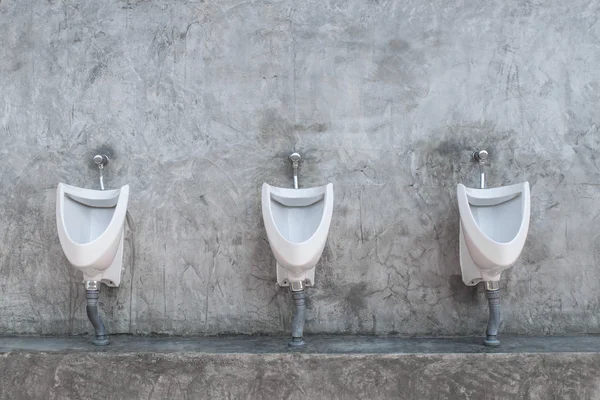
288 376
199 103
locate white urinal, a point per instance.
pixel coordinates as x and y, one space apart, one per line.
493 227
90 228
297 223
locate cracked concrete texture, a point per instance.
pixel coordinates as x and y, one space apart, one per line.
198 103
332 367
143 373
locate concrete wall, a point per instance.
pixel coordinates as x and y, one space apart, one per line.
198 103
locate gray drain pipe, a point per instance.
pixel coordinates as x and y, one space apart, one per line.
92 293
299 296
492 292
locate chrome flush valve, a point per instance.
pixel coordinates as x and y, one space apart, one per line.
101 161
481 157
295 158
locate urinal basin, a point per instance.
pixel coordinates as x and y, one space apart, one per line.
297 223
90 229
493 228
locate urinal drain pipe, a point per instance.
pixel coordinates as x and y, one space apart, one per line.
493 296
299 317
94 316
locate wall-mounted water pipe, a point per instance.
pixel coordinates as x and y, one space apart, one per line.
101 160
295 159
492 288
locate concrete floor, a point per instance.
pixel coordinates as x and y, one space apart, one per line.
329 367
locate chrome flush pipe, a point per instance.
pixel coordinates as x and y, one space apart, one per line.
295 159
481 157
101 161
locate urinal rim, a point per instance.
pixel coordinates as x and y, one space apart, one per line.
327 187
121 191
524 222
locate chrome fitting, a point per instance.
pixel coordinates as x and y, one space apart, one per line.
101 160
492 286
92 285
295 159
480 156
297 286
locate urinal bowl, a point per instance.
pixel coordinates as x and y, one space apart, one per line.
493 228
297 223
90 226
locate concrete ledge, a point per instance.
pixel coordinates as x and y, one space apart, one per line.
329 368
